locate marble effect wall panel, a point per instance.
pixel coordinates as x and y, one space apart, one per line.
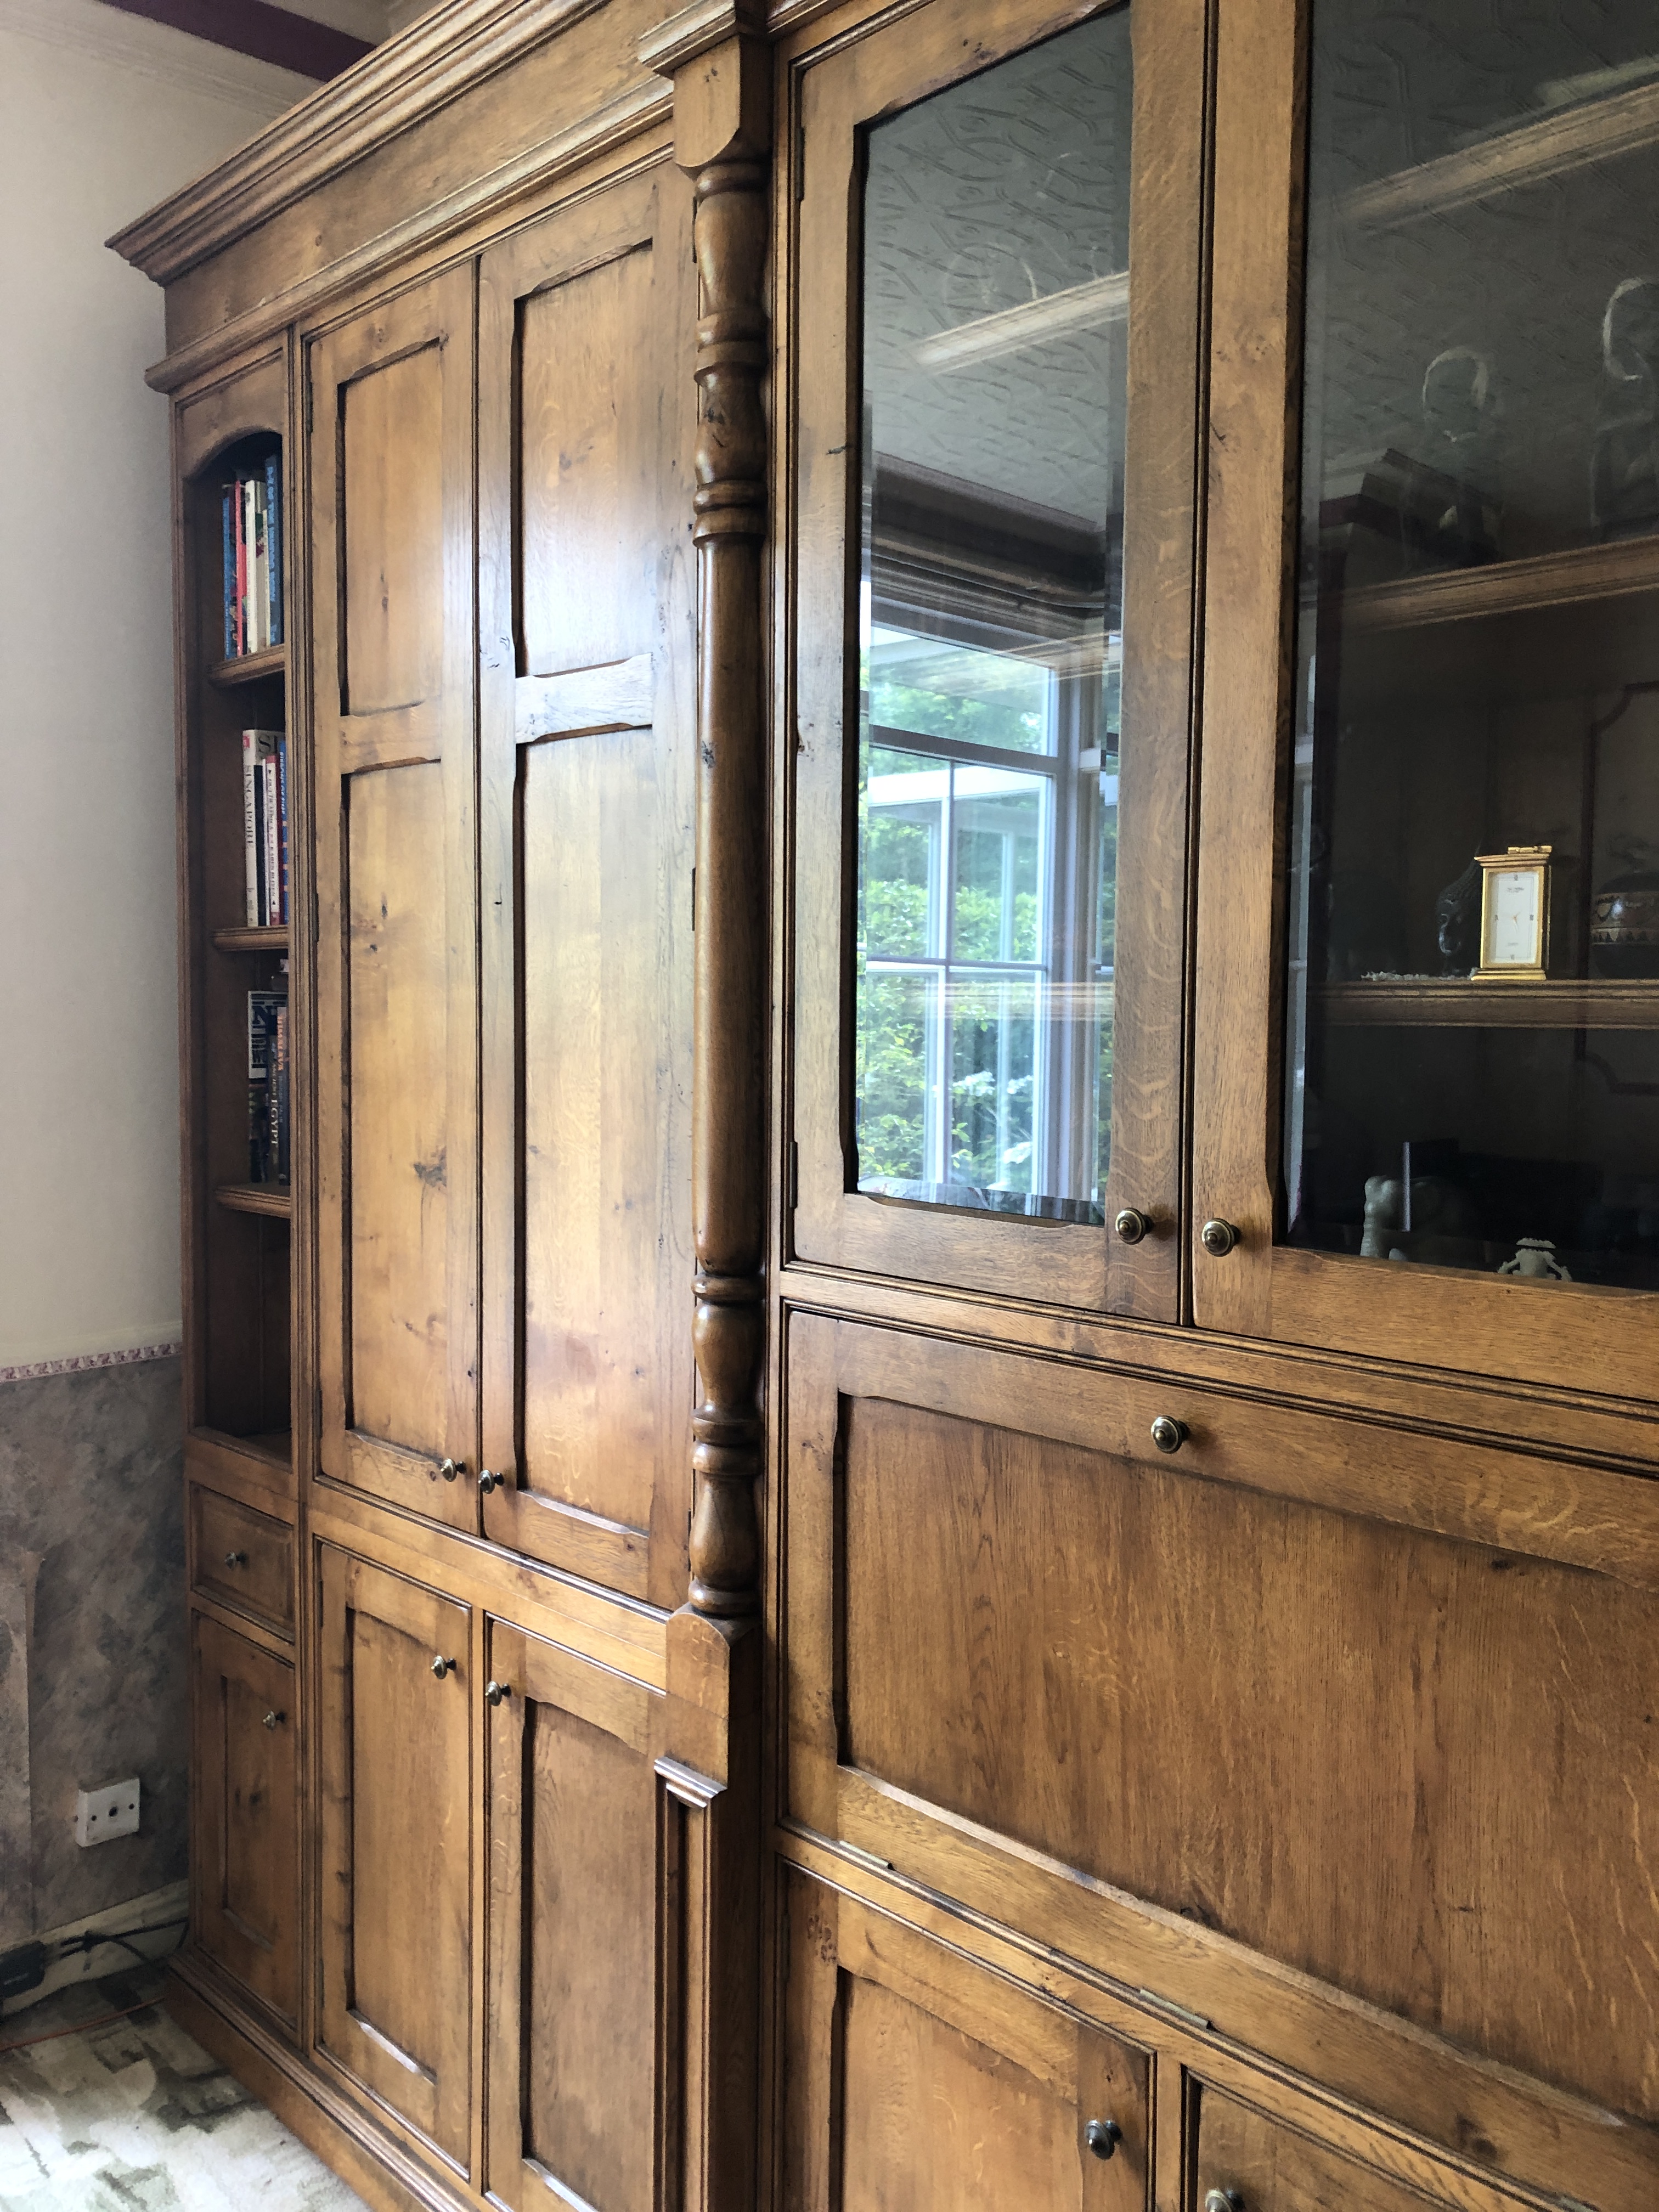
92 1634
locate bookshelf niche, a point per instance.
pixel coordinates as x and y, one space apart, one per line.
240 1195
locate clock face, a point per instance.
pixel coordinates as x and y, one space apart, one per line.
1513 898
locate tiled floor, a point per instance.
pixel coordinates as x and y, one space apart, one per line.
131 2116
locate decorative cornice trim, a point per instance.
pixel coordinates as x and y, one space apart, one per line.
694 30
146 49
648 103
400 84
31 1370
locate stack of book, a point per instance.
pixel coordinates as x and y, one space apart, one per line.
265 826
267 1086
253 558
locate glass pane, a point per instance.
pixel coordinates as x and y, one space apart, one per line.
1472 1059
995 306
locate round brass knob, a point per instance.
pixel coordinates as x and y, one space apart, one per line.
1169 1434
1102 2137
1218 1238
1131 1225
495 1692
449 1468
440 1665
1224 2200
272 1719
235 1558
489 1480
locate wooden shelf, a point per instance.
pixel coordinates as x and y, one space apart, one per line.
1572 1003
1554 145
1626 566
252 941
274 1199
274 1448
250 667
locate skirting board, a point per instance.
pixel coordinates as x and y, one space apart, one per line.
379 2169
142 1920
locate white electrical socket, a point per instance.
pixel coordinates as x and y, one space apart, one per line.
110 1811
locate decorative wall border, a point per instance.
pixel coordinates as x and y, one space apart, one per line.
31 1370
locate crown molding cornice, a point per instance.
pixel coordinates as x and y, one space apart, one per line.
400 84
140 47
696 29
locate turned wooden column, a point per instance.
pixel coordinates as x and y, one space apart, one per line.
723 139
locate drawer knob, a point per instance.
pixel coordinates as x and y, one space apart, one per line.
1224 2199
495 1692
1131 1225
440 1665
235 1558
1102 2137
275 1720
449 1468
1169 1434
489 1480
1218 1238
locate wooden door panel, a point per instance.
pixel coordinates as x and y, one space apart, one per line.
1270 2168
574 1984
397 1844
587 793
395 679
246 1814
918 2082
1003 1606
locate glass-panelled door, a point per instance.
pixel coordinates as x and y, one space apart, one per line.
994 364
1432 687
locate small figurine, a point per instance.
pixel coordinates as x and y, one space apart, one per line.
1625 460
1535 1257
1457 921
1441 1220
1449 503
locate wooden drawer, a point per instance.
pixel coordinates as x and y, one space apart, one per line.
242 1558
1250 2163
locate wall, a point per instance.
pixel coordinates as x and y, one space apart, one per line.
101 114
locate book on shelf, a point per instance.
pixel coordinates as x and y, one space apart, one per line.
252 517
268 1086
265 826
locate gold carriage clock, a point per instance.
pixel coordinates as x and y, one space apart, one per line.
1515 914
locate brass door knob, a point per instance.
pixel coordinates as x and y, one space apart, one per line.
1224 2200
235 1558
273 1720
489 1480
1218 1238
1169 1434
1131 1225
495 1692
1102 2137
449 1468
440 1665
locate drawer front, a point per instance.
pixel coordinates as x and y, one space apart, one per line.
1250 2163
242 1558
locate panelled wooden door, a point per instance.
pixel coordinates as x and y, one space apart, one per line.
391 393
588 785
397 1705
1020 522
575 1974
246 1815
917 2081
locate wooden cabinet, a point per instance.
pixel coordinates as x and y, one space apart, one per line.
246 1835
1248 2162
394 683
397 1700
243 1557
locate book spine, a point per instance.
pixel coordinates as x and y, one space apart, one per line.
256 568
273 899
241 566
279 1089
230 575
282 823
274 543
250 824
261 892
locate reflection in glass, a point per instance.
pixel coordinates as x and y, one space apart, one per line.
1478 641
995 299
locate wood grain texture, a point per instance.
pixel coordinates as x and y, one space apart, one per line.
1268 2163
391 434
244 1814
242 1558
395 1745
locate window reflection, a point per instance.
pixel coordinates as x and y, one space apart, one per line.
990 647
